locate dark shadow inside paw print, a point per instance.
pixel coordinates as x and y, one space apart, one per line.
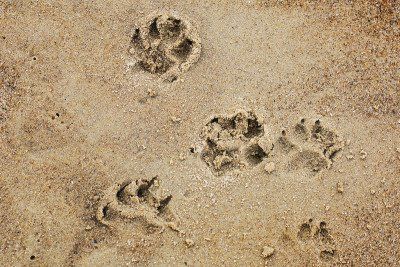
255 154
153 30
183 50
304 233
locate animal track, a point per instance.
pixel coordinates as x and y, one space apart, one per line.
319 238
8 78
165 44
239 140
234 141
308 147
136 201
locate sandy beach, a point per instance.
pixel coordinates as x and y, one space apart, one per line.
200 133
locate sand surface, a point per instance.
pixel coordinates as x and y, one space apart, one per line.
200 133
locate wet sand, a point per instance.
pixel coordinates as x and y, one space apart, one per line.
199 133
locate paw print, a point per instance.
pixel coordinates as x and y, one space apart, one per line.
166 45
309 147
136 201
233 142
318 237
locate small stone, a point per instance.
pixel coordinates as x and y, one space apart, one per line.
189 243
340 187
175 119
269 167
363 154
327 208
373 192
132 51
268 251
156 183
388 206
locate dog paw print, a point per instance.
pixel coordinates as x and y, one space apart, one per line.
309 147
165 44
136 201
234 141
319 239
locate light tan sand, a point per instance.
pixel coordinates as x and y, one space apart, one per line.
200 133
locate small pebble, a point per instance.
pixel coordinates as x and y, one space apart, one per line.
182 156
175 119
340 187
269 167
373 192
189 243
132 51
268 251
327 208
